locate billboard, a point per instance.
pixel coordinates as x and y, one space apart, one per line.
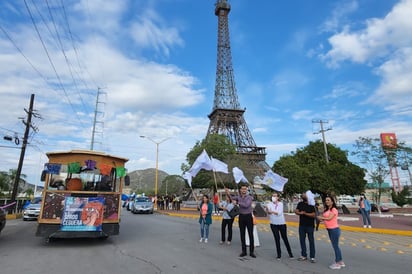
389 140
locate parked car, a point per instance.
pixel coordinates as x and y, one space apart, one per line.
142 205
31 212
2 219
374 208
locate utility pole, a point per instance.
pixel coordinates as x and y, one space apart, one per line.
28 124
322 130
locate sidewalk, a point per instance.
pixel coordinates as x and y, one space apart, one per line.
382 224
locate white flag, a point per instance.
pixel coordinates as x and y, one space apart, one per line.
188 177
238 175
202 162
219 166
274 181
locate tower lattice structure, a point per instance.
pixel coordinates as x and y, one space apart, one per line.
227 117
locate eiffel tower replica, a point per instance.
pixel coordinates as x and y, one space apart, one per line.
226 117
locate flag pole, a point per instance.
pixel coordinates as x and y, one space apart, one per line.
194 195
214 177
221 181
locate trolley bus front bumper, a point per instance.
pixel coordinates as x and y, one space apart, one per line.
53 231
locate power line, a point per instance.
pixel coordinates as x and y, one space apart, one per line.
74 47
51 62
65 55
25 57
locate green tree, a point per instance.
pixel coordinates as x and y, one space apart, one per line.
7 180
173 184
217 146
29 192
401 198
371 154
307 169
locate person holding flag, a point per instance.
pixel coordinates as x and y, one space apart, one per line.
306 211
245 218
278 225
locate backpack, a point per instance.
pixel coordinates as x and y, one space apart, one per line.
234 212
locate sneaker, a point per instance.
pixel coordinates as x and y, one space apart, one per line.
206 241
369 226
364 226
221 242
243 254
312 260
228 242
302 259
335 266
278 259
342 264
201 239
291 257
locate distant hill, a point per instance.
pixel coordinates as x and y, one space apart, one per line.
144 180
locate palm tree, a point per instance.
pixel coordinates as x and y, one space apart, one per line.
29 192
7 180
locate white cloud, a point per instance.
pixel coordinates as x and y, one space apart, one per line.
100 15
150 31
338 15
380 37
302 115
384 43
396 84
351 89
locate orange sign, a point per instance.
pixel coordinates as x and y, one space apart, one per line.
388 140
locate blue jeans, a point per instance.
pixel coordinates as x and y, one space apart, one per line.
334 235
303 231
217 210
365 216
204 230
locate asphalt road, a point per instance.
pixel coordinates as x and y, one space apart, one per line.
164 244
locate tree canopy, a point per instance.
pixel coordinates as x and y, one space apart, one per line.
173 184
307 169
7 179
217 146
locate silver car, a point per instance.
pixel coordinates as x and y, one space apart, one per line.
32 212
142 205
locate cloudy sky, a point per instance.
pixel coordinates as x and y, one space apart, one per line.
348 62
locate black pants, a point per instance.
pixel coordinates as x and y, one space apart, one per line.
229 224
282 230
246 221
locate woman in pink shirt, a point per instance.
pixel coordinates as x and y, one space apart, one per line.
205 218
330 219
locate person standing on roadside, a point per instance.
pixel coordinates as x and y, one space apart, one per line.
278 225
216 203
330 219
306 211
245 219
205 219
365 210
227 220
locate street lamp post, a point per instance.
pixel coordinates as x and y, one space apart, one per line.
157 164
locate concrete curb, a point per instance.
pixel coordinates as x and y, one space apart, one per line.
296 224
14 216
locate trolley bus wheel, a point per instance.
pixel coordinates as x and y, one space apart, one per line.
47 240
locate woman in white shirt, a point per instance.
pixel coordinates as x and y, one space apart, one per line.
278 224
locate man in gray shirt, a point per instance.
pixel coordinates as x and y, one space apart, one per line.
245 218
